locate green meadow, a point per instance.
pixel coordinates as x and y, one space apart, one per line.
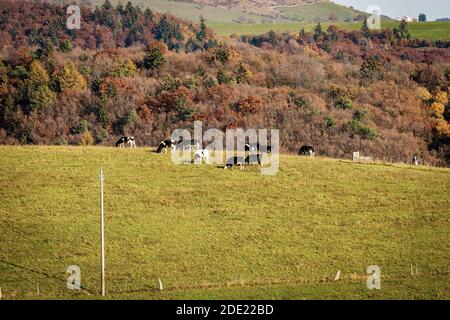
210 233
418 30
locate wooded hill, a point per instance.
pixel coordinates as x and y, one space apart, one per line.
135 72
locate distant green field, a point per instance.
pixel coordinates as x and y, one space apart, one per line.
212 233
427 31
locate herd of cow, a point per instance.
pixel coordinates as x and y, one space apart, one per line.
202 155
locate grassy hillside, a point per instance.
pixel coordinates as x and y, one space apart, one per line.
211 233
318 11
427 31
248 11
257 17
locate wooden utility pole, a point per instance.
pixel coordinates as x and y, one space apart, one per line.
102 232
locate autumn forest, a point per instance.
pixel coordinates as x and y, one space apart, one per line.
131 71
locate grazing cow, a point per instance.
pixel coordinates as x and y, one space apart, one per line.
165 145
415 161
200 156
235 161
260 148
251 147
254 159
267 149
307 150
188 144
263 148
131 141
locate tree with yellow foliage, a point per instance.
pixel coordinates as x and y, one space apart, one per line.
87 139
441 97
443 127
71 79
125 69
438 109
424 94
37 91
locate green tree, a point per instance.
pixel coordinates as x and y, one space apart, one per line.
318 32
402 31
222 78
201 34
344 103
366 30
329 122
82 127
65 46
242 74
222 54
107 5
148 15
154 58
355 127
371 69
422 17
128 119
169 32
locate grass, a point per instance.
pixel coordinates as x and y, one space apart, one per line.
193 11
247 11
418 30
321 10
211 233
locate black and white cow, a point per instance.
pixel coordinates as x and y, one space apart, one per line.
201 155
415 160
267 149
165 145
131 141
188 144
307 150
254 159
250 147
235 161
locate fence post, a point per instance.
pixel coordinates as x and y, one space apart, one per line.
102 232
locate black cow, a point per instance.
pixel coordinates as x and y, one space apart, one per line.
166 144
235 161
131 141
307 150
254 159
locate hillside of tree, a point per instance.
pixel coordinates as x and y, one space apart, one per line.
136 72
